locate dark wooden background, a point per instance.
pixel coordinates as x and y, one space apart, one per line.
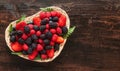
94 46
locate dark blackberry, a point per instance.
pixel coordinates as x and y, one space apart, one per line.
36 28
44 21
56 47
34 45
30 50
34 37
46 42
42 36
48 47
64 30
28 41
21 41
24 52
27 29
42 51
42 28
12 38
55 19
13 33
48 34
19 33
14 29
50 18
53 24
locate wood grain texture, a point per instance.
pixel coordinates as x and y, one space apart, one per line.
94 46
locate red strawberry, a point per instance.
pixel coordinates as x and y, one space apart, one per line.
24 36
53 31
50 53
38 33
32 32
42 15
20 25
43 56
60 39
62 21
54 37
30 26
58 14
53 13
40 41
33 55
39 47
47 26
25 47
59 30
52 43
48 14
36 21
16 47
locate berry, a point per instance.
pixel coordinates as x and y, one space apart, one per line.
55 19
26 29
35 27
48 34
59 31
30 50
53 13
12 33
12 38
24 36
16 47
60 39
52 43
42 36
43 51
34 45
40 41
43 56
28 41
56 47
39 47
62 21
53 24
20 25
58 14
36 21
47 26
24 52
44 21
54 37
50 53
38 33
42 27
19 33
21 41
53 31
48 47
34 37
32 32
14 29
46 42
48 14
50 18
46 30
25 47
42 15
30 26
33 55
64 30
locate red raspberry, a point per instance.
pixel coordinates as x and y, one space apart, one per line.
52 43
53 13
48 14
53 31
42 15
25 47
32 32
59 30
40 41
39 47
47 26
43 56
30 26
24 36
58 14
62 21
46 30
33 55
38 33
54 37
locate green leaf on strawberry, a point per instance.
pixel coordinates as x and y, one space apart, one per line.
70 31
11 28
21 19
46 9
16 53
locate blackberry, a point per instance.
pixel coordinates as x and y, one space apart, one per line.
36 28
14 29
12 38
19 33
56 47
34 45
30 50
27 29
28 41
53 24
50 19
55 19
13 33
48 34
42 36
46 42
34 37
64 30
42 51
44 21
24 52
21 41
48 47
42 28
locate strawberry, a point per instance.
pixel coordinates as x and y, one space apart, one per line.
43 56
42 15
62 21
59 30
48 14
33 55
38 33
36 21
54 37
53 13
20 25
58 14
32 32
25 47
50 53
52 43
60 39
53 31
39 47
16 47
24 36
30 26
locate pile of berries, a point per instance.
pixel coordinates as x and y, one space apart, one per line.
42 36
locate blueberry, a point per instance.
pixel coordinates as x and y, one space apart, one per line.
46 42
19 33
28 41
42 28
13 33
27 29
30 50
24 52
64 30
44 21
14 29
42 51
34 37
48 47
12 38
56 47
34 45
42 36
48 34
36 28
50 18
21 41
55 19
53 24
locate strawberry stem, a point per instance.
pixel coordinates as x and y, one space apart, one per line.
21 19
